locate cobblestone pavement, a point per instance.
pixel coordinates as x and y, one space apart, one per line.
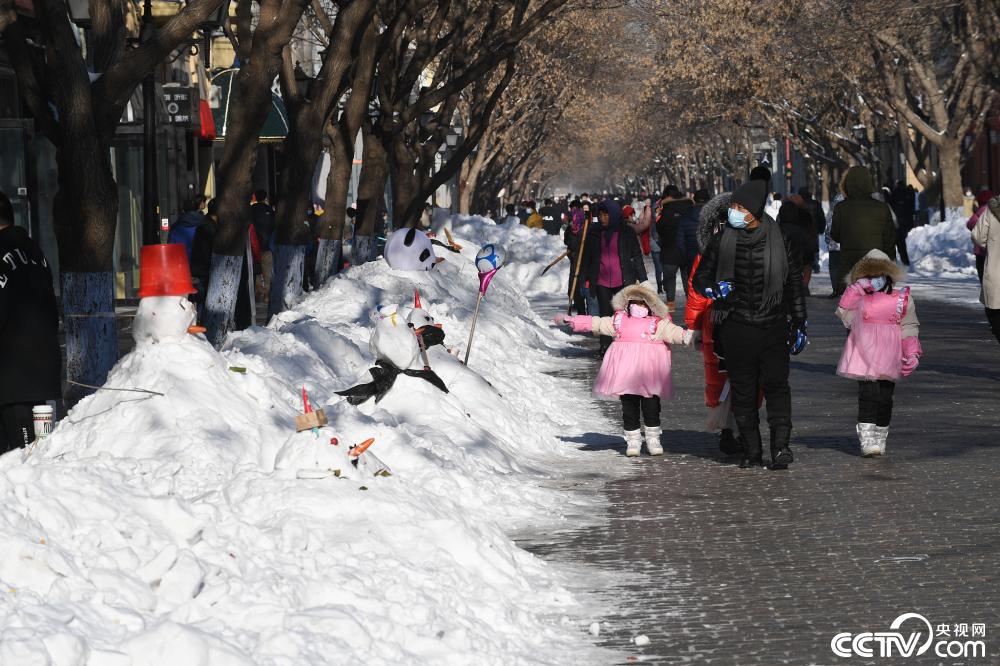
727 566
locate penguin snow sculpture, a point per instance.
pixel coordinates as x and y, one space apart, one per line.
396 350
165 314
410 250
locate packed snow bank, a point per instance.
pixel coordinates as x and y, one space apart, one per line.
185 522
941 249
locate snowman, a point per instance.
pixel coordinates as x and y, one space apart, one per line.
165 314
394 345
410 249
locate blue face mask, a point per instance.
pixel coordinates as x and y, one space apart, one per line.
878 283
737 218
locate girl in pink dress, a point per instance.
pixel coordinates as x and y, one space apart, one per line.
636 367
883 345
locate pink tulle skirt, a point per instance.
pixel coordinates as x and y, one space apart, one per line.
873 351
635 368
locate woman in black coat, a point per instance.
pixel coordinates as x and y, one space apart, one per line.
612 259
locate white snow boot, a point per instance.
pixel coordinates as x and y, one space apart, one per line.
652 434
866 435
881 435
633 442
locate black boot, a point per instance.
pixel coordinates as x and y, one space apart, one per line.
753 454
781 455
728 443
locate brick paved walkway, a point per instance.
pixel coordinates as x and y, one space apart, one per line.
726 566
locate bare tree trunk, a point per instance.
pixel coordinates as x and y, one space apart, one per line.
331 225
950 158
261 53
371 193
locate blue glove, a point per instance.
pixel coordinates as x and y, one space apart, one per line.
719 291
797 337
585 292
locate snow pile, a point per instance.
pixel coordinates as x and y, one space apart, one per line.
185 522
941 249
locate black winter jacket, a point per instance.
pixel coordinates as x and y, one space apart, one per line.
667 230
744 303
30 361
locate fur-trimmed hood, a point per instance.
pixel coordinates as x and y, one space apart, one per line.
637 292
876 263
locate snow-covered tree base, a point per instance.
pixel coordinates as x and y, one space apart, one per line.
328 257
364 250
220 303
286 286
91 333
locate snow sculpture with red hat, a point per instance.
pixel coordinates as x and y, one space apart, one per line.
165 314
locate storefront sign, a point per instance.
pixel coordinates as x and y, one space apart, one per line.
178 101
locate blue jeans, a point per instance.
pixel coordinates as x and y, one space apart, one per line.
657 266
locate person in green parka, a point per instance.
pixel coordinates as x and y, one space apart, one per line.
861 223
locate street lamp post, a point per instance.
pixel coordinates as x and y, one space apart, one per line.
150 178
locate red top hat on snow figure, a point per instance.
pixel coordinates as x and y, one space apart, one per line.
164 271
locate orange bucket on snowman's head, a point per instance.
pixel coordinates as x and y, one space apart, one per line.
164 271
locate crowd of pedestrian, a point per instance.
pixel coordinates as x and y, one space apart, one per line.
746 260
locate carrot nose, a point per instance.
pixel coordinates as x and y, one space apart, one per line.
196 329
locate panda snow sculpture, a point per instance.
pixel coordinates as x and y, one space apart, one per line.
410 250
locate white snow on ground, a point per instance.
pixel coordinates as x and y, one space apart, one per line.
176 529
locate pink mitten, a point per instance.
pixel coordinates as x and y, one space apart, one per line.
866 285
911 354
560 319
582 323
852 295
911 347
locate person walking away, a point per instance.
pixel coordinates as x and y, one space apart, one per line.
753 276
687 235
883 345
30 360
982 202
801 240
673 206
534 219
818 217
612 259
186 226
550 218
637 368
986 234
262 218
903 204
807 242
201 255
860 223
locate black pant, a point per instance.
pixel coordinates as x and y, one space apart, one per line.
633 404
670 279
835 276
17 427
993 316
980 266
604 296
875 402
578 301
758 358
